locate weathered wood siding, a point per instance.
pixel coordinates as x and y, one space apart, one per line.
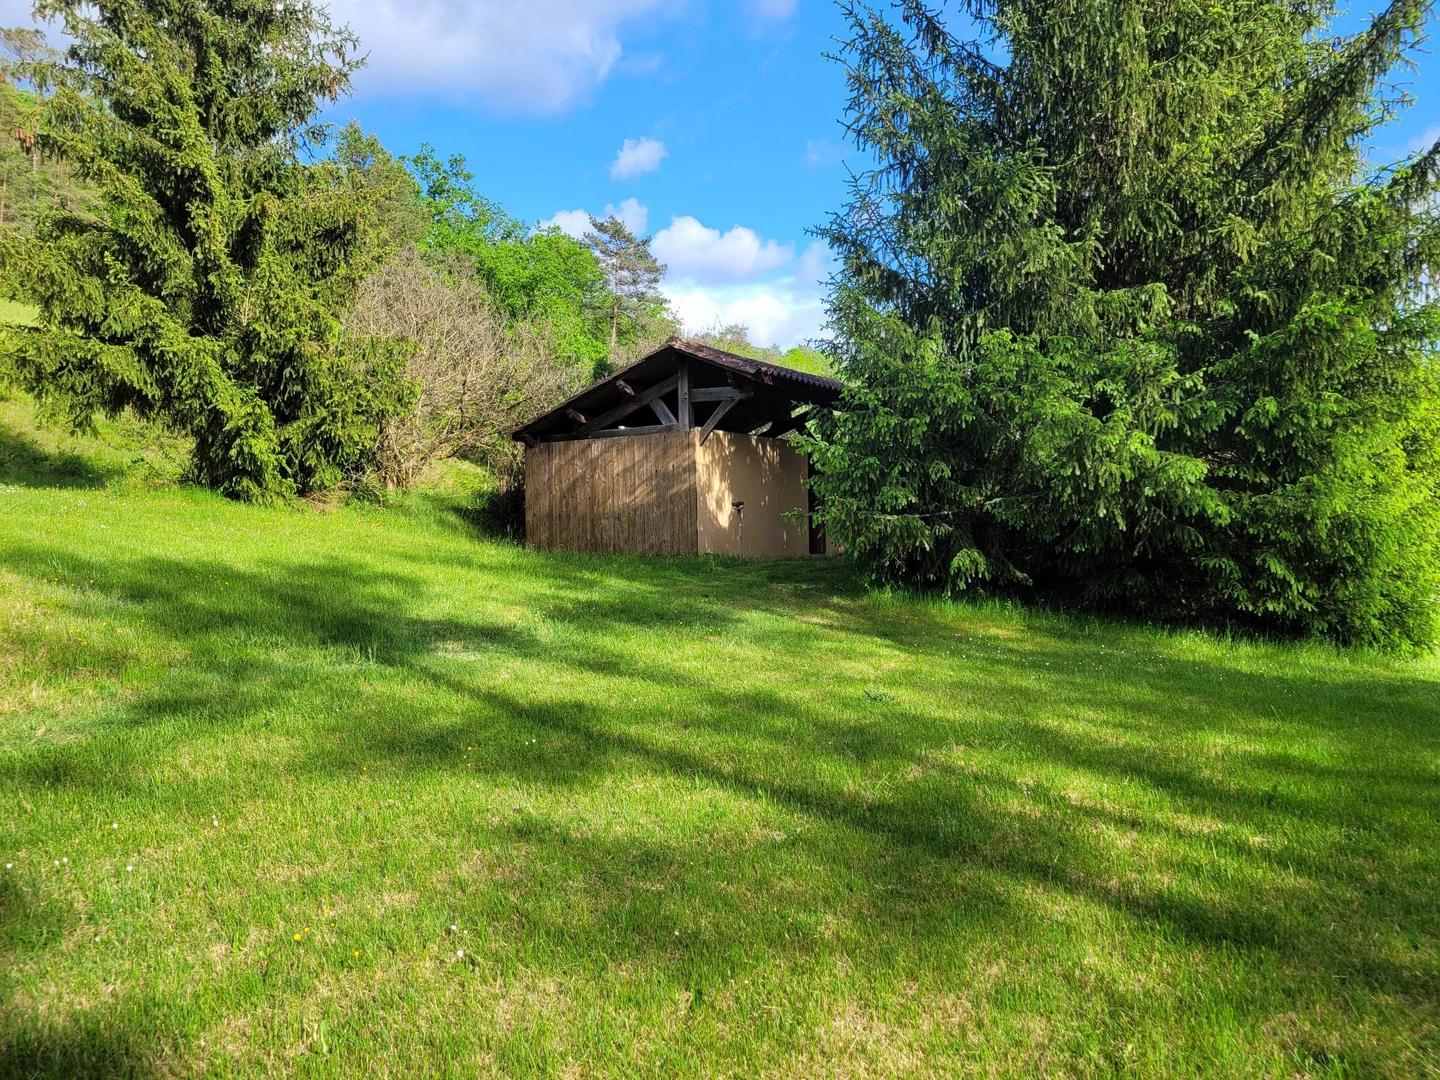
633 493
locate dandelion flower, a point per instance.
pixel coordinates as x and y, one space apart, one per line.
357 952
296 935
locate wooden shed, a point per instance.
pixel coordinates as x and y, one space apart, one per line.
684 452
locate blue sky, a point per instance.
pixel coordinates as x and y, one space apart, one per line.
713 125
729 110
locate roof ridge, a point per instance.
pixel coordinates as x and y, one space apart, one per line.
699 349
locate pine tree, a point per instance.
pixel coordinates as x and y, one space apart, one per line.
632 274
205 290
1128 319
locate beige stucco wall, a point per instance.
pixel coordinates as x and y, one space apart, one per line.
769 478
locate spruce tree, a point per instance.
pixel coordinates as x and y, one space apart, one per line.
204 291
1129 319
632 273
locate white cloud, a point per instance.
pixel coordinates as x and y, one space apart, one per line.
526 56
786 311
774 315
1426 139
632 212
516 56
692 250
571 222
637 157
576 223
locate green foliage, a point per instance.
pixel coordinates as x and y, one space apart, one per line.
1128 320
552 279
204 291
540 277
398 210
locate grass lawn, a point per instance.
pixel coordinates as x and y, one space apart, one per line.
16 313
360 790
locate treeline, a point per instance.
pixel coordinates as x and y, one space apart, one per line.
309 309
499 319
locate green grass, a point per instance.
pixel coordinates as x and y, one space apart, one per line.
16 313
335 792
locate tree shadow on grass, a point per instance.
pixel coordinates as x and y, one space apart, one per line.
107 1042
912 845
25 462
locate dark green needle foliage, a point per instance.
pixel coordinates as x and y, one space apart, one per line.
1130 320
204 290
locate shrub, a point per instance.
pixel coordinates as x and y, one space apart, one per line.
476 375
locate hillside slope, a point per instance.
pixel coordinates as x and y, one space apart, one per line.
318 792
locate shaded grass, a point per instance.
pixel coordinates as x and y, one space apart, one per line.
122 453
359 791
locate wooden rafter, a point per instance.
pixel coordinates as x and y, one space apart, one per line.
720 410
630 405
717 393
793 422
610 433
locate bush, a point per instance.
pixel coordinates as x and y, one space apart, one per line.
477 376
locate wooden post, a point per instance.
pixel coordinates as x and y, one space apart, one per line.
683 415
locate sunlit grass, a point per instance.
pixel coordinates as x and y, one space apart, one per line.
359 790
16 313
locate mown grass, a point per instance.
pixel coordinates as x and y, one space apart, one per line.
361 791
16 313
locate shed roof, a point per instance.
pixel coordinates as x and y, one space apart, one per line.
773 387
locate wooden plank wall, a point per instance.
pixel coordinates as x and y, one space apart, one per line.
634 493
